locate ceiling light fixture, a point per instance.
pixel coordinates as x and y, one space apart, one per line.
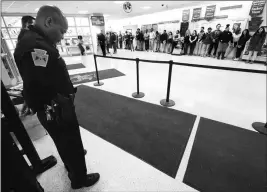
83 12
119 2
146 7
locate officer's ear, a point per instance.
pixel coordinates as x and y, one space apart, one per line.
48 21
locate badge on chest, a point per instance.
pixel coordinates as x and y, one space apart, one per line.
40 58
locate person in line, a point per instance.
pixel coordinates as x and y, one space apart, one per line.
215 40
176 38
157 42
108 41
120 41
169 42
80 44
131 39
255 44
201 37
142 41
127 40
186 41
236 35
26 21
49 91
137 36
101 41
206 43
193 41
113 42
152 36
163 41
241 44
225 38
146 38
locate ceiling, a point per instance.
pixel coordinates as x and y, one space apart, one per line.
110 8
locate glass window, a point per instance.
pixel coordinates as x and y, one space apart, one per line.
14 42
5 33
87 40
83 31
9 44
13 21
82 21
71 32
70 21
14 32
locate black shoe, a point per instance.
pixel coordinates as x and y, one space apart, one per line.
90 180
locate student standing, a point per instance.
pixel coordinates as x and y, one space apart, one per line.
215 40
201 37
157 42
146 38
163 40
255 44
169 42
176 38
120 40
236 35
206 43
193 41
224 39
152 36
241 44
186 41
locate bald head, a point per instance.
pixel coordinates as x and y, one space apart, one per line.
52 22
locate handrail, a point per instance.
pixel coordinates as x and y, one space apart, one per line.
191 65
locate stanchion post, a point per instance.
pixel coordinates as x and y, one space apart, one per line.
137 94
97 76
167 102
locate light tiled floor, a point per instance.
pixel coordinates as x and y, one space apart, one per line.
232 97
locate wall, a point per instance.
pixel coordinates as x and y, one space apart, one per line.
176 14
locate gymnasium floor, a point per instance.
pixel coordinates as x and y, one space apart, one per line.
235 98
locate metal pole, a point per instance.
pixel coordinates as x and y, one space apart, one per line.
167 102
97 76
137 94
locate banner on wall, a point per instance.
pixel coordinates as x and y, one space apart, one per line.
257 8
97 20
210 12
196 14
186 15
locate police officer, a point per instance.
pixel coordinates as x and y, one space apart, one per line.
101 40
48 90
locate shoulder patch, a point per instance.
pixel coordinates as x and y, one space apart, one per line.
40 58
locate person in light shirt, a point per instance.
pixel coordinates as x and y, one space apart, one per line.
152 36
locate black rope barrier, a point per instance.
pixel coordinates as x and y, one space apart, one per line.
97 75
137 94
167 102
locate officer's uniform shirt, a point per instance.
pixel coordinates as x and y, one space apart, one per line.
43 71
101 38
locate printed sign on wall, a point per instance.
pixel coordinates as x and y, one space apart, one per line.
186 14
97 20
196 14
257 8
210 12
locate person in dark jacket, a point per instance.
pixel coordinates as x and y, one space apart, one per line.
176 39
225 37
241 44
201 37
49 91
80 44
255 44
215 40
101 40
26 21
137 36
120 40
113 42
192 42
107 41
163 41
206 43
186 41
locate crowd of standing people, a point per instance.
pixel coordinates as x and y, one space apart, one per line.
216 43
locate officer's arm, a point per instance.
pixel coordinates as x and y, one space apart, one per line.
38 74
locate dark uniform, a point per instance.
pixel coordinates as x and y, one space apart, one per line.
48 91
224 39
101 39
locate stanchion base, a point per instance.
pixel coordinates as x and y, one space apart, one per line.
260 127
46 164
138 95
164 103
98 84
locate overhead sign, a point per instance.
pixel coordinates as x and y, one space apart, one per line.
127 7
196 14
186 14
210 12
257 8
98 20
